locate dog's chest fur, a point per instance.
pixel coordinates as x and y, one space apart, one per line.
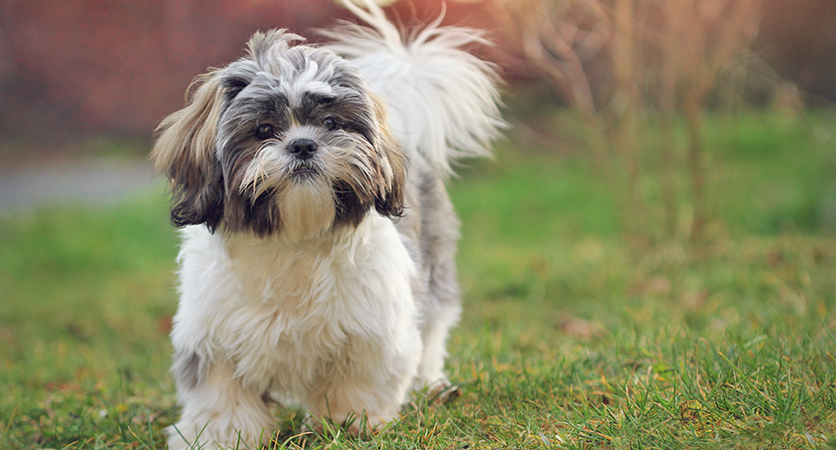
289 316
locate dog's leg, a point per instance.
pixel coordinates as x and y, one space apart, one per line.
431 370
440 304
219 411
369 387
443 307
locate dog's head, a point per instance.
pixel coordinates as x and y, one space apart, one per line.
286 141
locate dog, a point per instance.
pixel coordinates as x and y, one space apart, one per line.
318 239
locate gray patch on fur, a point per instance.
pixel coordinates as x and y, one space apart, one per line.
430 231
188 369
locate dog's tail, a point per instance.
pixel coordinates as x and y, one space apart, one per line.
443 101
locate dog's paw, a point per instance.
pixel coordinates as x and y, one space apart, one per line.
443 392
353 425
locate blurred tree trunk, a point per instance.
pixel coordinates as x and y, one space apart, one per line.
624 55
668 75
694 103
714 31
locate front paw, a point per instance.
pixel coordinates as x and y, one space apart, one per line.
443 392
180 438
355 425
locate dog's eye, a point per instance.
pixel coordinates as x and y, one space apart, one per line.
264 131
331 123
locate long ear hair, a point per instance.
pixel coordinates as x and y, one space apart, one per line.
184 152
389 198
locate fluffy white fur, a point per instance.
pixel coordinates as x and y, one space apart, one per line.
293 297
351 285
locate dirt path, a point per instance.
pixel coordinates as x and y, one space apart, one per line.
90 181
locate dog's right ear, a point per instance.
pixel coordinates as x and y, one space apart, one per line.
185 153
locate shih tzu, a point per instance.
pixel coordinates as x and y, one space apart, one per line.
317 263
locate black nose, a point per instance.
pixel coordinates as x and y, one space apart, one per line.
302 148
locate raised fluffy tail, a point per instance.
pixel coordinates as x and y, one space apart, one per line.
443 101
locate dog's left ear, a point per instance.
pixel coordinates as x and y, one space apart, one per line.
389 198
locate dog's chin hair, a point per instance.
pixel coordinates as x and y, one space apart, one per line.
307 201
308 210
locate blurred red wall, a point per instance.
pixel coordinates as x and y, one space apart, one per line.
120 65
77 67
73 67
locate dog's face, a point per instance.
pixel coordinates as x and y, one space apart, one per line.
286 141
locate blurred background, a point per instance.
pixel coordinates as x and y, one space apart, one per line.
668 175
624 83
71 69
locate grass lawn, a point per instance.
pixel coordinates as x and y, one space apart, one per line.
572 337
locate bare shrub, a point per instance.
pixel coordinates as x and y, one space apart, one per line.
664 58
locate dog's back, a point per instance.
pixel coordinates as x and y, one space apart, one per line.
443 106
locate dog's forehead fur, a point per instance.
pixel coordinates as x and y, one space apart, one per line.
278 61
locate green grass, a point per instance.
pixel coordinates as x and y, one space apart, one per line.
573 337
